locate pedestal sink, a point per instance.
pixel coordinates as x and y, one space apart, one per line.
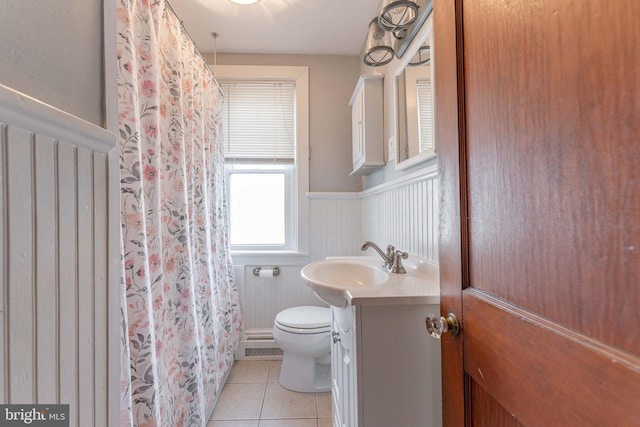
350 280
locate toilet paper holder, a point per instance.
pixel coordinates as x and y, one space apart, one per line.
276 271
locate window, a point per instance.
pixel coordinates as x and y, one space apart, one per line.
260 206
425 114
265 118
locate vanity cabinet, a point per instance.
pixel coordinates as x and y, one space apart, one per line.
385 368
367 125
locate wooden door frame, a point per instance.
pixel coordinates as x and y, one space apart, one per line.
450 133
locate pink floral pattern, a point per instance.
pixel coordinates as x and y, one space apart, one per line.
181 318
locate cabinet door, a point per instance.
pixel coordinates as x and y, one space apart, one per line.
336 375
343 368
357 137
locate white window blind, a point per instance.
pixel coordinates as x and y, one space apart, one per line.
425 114
259 121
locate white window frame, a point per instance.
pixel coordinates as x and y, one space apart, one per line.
299 226
289 209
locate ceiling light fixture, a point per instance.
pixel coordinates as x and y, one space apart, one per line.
378 51
397 15
244 2
422 56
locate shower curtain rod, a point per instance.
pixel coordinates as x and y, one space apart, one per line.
195 46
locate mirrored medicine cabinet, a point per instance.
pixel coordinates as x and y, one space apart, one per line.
414 91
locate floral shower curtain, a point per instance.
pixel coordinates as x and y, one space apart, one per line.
180 313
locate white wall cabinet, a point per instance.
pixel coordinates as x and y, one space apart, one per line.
385 367
367 114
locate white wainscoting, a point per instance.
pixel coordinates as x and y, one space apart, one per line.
402 212
262 298
56 260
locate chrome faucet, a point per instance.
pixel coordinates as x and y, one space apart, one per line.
392 259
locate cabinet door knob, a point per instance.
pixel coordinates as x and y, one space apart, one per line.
438 325
335 336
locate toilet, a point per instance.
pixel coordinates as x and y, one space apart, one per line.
303 334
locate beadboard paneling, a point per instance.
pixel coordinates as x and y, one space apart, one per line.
54 259
265 297
404 213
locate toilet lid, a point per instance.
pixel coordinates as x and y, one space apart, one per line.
306 317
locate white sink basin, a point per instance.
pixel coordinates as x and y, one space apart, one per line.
360 280
331 279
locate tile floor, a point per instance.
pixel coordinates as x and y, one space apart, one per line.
252 397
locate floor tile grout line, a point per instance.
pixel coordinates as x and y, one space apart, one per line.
264 395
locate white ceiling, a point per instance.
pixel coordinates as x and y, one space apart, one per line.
278 26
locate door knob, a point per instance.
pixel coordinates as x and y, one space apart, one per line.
335 336
438 325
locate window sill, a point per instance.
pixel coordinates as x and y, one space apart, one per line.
269 258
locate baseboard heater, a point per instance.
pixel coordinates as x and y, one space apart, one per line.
258 344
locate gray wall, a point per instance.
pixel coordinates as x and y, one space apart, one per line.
332 79
52 51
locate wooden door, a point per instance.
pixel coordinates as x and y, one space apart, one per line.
538 133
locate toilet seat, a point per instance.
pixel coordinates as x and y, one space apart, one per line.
304 320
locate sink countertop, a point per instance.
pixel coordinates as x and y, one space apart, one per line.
400 289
